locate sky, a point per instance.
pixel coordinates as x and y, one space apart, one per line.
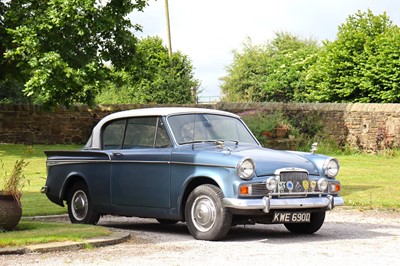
207 31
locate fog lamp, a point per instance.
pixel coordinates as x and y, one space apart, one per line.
271 184
322 184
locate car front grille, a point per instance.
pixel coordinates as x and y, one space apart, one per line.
291 184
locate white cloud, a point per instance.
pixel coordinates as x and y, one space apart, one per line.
208 30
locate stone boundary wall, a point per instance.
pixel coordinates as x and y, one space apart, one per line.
31 124
366 126
369 127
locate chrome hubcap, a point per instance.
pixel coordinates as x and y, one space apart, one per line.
203 213
79 205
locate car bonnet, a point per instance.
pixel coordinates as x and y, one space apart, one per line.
267 161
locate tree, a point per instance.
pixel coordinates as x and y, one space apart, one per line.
381 74
361 65
271 72
60 46
245 77
153 77
290 57
10 84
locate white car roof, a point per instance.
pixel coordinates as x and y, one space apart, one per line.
163 111
160 111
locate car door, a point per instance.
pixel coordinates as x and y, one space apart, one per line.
140 162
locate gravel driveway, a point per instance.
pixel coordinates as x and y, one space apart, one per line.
348 237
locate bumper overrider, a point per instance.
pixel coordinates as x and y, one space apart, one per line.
267 204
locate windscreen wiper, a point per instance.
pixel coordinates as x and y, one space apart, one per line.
196 141
215 141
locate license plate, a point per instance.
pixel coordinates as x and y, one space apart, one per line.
291 217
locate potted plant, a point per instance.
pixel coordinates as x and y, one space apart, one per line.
10 195
281 130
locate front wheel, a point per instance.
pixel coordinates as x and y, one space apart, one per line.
316 221
80 206
206 218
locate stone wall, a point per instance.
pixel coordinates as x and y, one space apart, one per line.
31 124
365 126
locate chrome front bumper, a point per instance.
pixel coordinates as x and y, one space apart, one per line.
266 204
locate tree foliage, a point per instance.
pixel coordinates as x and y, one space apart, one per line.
10 84
154 77
290 57
361 65
244 80
59 46
272 72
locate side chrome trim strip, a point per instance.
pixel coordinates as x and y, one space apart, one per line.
203 164
65 162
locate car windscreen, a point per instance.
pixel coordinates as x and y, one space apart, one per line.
188 128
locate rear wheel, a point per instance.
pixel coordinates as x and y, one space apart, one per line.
316 221
80 206
206 218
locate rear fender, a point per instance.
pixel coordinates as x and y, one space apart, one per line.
68 182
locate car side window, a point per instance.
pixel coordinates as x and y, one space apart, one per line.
140 132
113 135
162 138
137 132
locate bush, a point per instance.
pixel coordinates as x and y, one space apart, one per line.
303 130
265 125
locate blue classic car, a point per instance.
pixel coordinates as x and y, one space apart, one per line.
200 166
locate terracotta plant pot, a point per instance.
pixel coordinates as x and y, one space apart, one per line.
10 212
281 131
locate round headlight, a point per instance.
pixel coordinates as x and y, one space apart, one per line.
331 167
245 169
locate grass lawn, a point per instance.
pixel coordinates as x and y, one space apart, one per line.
371 182
34 232
36 203
33 202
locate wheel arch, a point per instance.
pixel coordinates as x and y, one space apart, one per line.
69 182
195 182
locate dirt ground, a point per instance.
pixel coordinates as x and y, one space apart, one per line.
348 237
